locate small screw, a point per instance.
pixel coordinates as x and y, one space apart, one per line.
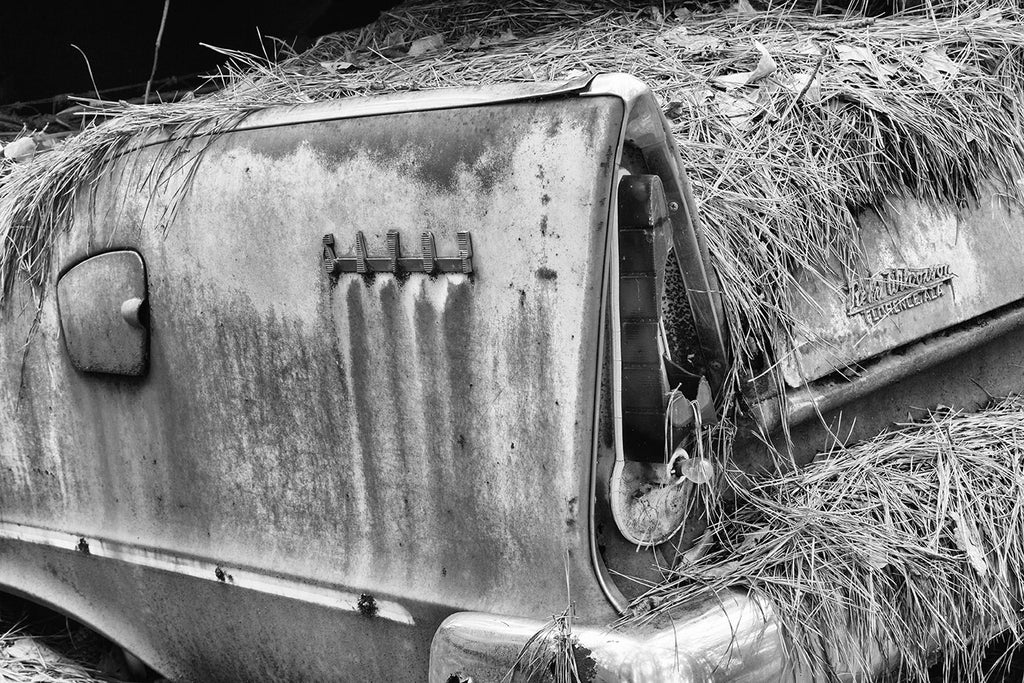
673 206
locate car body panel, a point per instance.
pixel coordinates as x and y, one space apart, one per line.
362 456
968 257
346 476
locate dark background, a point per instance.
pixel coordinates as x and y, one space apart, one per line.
37 61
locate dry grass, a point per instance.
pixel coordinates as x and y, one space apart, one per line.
909 543
24 659
919 104
553 654
790 124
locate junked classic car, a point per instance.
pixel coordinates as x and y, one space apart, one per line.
370 389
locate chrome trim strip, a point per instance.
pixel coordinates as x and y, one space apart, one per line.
378 105
826 395
246 578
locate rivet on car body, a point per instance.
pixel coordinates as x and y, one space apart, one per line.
367 605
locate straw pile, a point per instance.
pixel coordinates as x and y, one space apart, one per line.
24 659
789 123
908 543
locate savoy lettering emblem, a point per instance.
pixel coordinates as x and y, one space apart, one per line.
891 291
394 262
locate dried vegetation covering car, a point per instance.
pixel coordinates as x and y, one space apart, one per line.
382 379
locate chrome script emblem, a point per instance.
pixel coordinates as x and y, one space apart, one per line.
891 291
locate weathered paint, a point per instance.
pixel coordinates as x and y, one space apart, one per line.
981 245
422 440
315 474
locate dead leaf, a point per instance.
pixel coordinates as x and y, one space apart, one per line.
809 47
732 106
573 73
394 39
505 37
338 66
422 46
21 149
743 7
394 44
765 66
697 470
674 110
750 541
740 110
682 13
994 15
878 558
969 540
697 43
798 83
468 43
732 82
856 54
690 98
44 141
937 68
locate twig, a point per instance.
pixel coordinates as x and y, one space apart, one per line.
803 90
156 50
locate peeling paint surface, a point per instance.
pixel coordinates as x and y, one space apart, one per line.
981 246
414 439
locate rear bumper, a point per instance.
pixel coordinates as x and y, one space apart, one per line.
732 637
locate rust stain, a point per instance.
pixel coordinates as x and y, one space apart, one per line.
356 432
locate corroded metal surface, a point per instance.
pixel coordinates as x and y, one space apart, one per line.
927 268
418 444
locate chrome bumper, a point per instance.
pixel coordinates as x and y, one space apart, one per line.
731 637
